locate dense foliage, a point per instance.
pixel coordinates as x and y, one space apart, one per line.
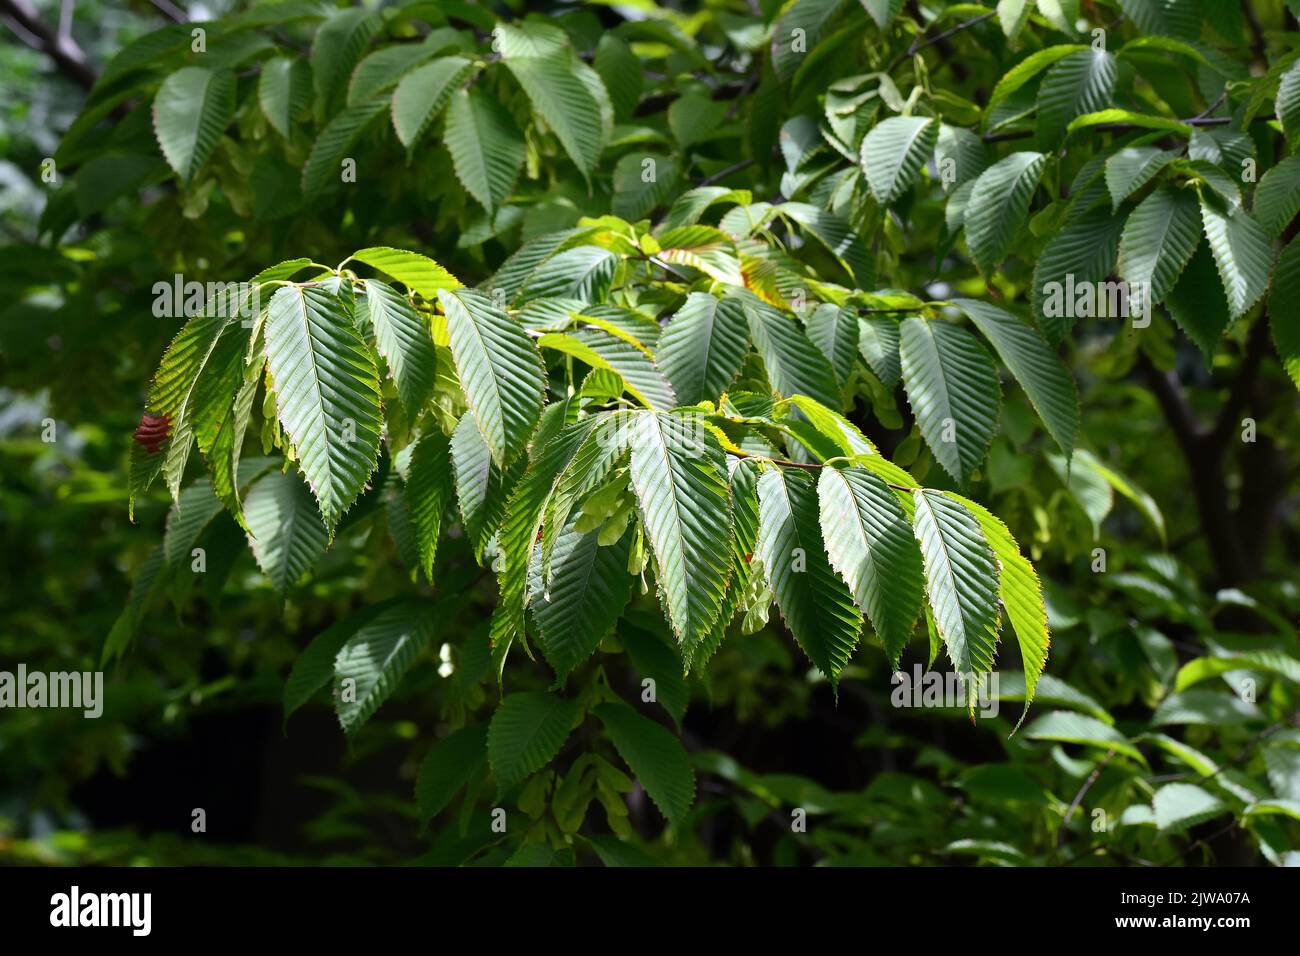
967 337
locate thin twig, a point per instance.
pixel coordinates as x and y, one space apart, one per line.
723 174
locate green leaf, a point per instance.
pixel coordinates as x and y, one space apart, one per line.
952 386
423 93
962 580
999 202
192 109
870 545
1159 239
402 337
893 153
418 273
338 45
1288 103
1038 369
960 151
569 96
519 529
878 343
600 349
587 590
1080 83
324 167
1120 117
450 764
376 657
1265 661
835 233
487 149
284 92
584 272
1284 310
327 389
315 665
1198 303
655 756
1069 728
499 368
1085 249
815 603
1174 18
883 11
622 73
528 729
681 489
428 489
173 393
284 529
1132 167
1027 69
1242 251
1277 198
482 487
1020 592
811 19
794 366
1178 806
702 347
834 330
383 69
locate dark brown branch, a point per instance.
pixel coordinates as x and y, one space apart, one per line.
1205 469
63 50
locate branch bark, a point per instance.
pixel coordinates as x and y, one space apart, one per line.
25 21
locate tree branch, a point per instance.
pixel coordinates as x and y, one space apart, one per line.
26 23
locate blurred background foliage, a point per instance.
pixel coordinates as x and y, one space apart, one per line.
193 716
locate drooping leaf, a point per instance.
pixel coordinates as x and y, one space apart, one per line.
655 755
681 489
373 660
326 163
1284 309
870 545
428 490
192 109
952 386
1021 595
1242 251
588 588
702 347
499 368
570 97
528 728
449 766
336 49
962 580
999 202
284 92
327 390
402 337
1077 84
487 149
1277 198
482 486
794 366
815 603
284 529
893 153
1038 369
1085 249
1159 239
423 93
